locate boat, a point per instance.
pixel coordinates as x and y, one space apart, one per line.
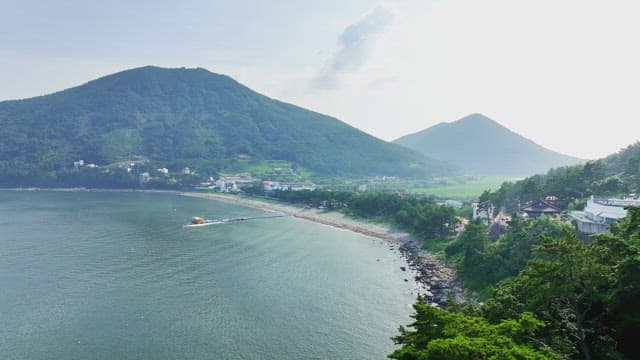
198 221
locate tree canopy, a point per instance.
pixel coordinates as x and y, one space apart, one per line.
578 298
184 117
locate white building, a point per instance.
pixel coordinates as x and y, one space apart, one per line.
293 186
599 213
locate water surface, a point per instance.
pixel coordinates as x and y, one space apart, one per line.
113 275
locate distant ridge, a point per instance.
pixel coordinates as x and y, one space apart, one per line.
480 145
185 117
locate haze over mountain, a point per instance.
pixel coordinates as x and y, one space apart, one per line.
185 117
480 145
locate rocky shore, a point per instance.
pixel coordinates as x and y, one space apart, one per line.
435 280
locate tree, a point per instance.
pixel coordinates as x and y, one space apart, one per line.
441 334
566 285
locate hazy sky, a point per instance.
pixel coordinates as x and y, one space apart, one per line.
563 73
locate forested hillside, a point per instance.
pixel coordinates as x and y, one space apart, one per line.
183 117
615 175
548 295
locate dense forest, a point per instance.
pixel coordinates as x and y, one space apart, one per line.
617 174
177 118
571 299
482 262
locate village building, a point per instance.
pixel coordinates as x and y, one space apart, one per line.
231 183
80 164
269 185
538 208
600 213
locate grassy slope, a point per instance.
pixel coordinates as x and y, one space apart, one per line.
463 190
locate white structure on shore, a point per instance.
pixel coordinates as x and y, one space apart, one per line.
599 213
269 185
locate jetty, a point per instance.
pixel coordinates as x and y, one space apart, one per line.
198 221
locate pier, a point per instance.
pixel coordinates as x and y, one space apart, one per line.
254 218
198 221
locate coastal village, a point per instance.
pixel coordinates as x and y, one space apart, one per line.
598 214
304 180
188 178
435 280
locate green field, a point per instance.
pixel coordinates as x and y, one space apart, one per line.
462 188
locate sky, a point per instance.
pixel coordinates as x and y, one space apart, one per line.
563 73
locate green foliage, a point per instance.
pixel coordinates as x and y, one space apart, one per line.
615 175
468 246
440 334
583 292
461 187
180 117
482 263
423 217
572 300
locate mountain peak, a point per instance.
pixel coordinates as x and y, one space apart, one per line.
476 119
480 145
184 117
156 74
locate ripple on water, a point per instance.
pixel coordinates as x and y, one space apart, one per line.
114 275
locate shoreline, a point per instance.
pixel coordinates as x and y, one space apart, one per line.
329 218
435 281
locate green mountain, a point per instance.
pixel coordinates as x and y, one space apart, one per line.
184 117
479 145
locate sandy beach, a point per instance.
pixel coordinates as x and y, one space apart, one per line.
330 218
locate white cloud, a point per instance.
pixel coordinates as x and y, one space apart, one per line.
355 44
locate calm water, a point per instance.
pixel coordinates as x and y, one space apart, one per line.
102 275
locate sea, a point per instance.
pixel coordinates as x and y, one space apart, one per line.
115 275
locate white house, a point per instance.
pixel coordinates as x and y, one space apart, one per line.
599 213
